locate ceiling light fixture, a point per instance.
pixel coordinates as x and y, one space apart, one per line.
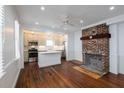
81 21
53 26
48 33
36 23
32 32
42 8
112 8
65 28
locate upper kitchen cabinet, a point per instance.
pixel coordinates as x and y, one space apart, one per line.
42 37
59 39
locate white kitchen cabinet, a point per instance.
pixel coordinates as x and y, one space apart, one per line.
49 58
25 56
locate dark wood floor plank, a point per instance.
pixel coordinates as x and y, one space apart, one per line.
64 76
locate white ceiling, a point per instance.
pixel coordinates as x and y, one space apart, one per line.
54 14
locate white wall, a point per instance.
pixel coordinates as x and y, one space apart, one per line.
78 46
70 46
74 46
117 48
121 47
113 46
11 64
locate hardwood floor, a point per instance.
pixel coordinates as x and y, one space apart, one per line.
64 76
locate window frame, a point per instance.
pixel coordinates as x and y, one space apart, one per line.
2 18
17 39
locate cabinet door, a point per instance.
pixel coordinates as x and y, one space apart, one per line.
25 56
25 40
41 39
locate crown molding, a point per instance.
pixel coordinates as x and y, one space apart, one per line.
109 21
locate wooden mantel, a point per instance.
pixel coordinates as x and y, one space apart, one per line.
97 36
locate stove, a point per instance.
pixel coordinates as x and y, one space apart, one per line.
33 55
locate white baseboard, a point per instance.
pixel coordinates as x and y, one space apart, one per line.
16 78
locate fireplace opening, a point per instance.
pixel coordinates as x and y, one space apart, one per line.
94 62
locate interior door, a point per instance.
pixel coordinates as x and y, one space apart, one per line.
121 47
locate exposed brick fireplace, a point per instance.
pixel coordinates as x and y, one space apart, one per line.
95 42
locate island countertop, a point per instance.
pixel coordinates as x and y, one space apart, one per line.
48 58
46 52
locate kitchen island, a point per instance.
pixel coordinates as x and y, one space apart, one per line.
48 58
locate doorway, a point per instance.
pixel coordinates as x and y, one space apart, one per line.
43 41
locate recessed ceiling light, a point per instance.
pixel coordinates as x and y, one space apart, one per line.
48 33
36 23
53 26
65 28
42 8
81 21
32 32
112 8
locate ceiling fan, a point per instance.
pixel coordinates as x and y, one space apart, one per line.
66 21
71 21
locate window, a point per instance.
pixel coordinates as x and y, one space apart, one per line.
17 51
49 43
1 41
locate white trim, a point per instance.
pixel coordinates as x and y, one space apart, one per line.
116 19
17 43
109 21
14 83
1 40
95 24
11 62
17 75
1 75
